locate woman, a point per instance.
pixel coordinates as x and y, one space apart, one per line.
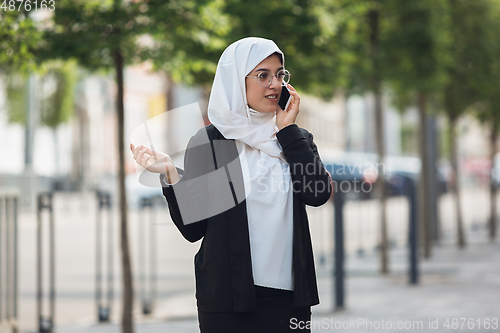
255 269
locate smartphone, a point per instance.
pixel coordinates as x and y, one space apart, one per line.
285 98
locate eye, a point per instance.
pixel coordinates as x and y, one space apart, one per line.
281 75
263 76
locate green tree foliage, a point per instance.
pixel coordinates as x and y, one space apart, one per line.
19 38
57 101
306 31
189 37
17 91
472 55
417 41
173 34
55 97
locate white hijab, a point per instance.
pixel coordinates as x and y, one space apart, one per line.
266 174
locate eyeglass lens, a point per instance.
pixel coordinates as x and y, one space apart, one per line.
265 78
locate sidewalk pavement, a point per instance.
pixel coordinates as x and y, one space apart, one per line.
454 284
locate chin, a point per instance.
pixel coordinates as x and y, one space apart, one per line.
269 109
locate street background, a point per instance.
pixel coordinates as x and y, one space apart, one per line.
402 100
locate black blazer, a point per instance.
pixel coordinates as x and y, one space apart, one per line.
223 267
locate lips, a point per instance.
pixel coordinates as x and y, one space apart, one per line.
272 97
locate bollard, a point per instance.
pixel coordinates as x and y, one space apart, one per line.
9 204
45 323
412 231
338 204
338 179
360 251
147 280
104 305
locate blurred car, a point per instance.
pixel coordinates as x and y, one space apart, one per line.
351 173
362 167
399 167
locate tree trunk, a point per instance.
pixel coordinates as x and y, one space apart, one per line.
424 189
493 185
81 157
56 153
84 138
128 293
373 19
455 188
434 189
32 110
171 143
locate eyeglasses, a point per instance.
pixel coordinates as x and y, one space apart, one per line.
265 77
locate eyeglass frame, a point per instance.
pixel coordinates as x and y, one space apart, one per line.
271 80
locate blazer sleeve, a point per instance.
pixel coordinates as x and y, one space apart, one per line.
309 177
193 168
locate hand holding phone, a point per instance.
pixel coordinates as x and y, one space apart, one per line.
285 98
287 112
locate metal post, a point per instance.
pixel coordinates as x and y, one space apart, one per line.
338 204
45 323
412 231
153 259
8 282
110 293
147 280
104 306
361 251
144 202
3 204
15 268
11 252
98 259
8 260
434 193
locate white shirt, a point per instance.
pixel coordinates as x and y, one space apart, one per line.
269 200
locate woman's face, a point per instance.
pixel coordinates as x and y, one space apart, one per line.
264 99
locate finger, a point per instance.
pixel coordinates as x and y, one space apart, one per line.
146 161
145 150
132 148
294 94
149 151
141 153
137 150
296 98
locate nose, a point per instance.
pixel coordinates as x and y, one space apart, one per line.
275 82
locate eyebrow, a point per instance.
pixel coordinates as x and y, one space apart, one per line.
265 69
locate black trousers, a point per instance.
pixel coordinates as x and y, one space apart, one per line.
275 314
